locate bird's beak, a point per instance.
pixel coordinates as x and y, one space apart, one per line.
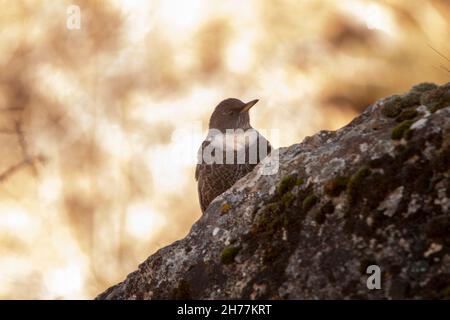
248 105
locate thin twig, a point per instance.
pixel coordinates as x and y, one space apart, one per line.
27 160
13 169
23 147
21 139
439 69
443 56
445 68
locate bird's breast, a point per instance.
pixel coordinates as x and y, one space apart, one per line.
234 141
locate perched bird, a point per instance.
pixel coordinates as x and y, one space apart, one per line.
231 149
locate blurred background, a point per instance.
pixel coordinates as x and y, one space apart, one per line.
94 176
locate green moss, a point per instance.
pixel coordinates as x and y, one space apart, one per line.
410 99
335 186
273 206
437 99
407 114
228 254
274 215
424 86
402 130
355 182
287 199
286 184
404 152
269 218
392 107
284 188
309 202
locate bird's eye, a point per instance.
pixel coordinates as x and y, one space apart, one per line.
227 113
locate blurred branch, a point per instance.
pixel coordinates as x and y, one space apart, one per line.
442 69
23 147
21 138
13 169
445 68
442 55
10 171
27 160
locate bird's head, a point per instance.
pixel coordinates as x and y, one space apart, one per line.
231 114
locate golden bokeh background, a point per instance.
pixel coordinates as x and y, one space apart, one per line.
94 176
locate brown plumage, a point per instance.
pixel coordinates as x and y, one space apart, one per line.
215 178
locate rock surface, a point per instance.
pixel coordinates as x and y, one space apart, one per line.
375 192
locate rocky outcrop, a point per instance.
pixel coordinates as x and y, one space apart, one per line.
375 192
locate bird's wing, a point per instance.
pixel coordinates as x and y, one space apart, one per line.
196 173
205 143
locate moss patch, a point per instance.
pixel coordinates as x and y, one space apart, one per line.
228 254
395 105
407 114
424 86
392 107
437 99
309 202
280 210
287 199
335 186
355 182
402 130
270 219
287 183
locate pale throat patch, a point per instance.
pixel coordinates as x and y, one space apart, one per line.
232 140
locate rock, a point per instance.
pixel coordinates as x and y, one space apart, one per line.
375 192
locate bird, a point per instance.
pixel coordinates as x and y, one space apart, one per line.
231 149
